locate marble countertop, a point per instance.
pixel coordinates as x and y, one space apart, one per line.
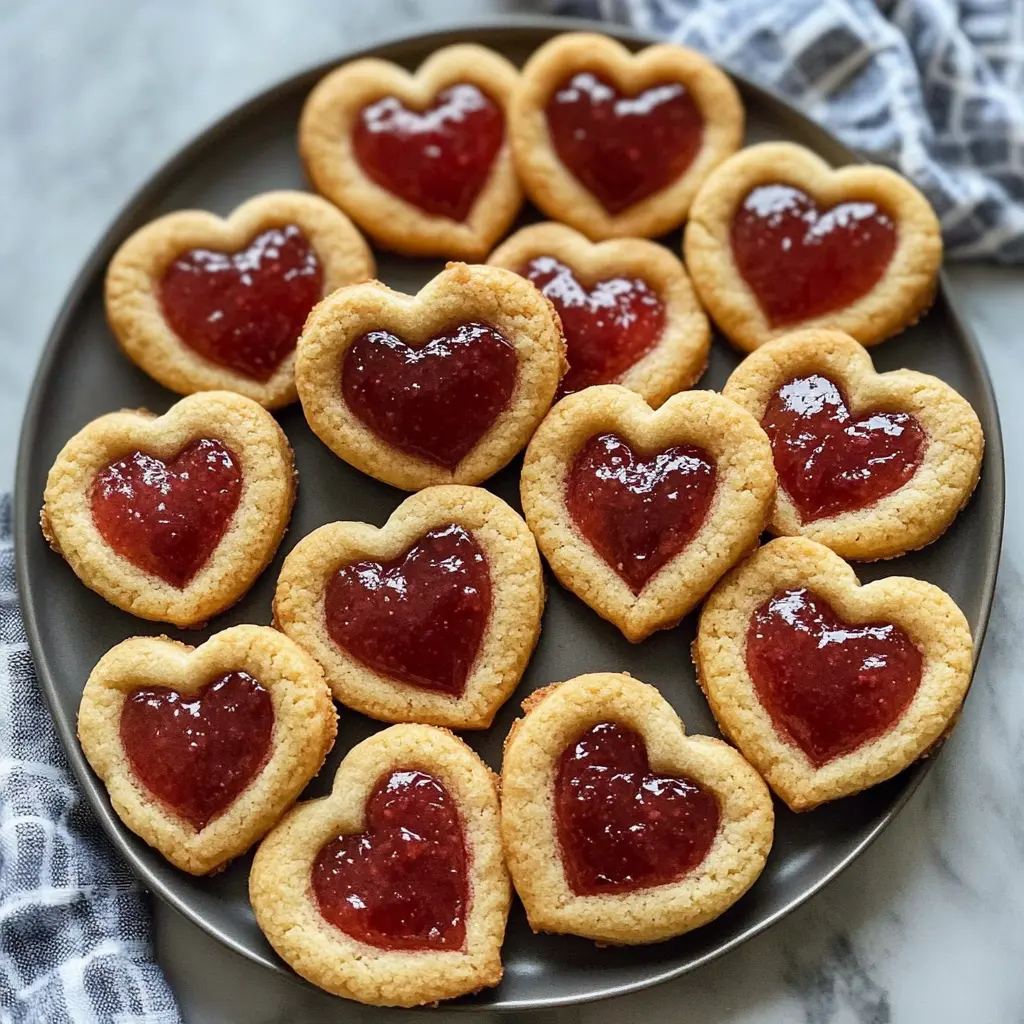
927 926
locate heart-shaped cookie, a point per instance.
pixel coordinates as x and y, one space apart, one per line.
617 144
203 303
421 162
639 512
392 890
431 618
172 517
617 825
869 464
445 386
202 749
826 686
778 240
628 311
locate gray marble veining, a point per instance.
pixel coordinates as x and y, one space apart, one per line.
925 927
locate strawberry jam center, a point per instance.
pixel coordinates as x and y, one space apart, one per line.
166 518
829 686
608 328
244 310
197 753
403 883
801 261
418 618
829 462
438 159
639 511
622 827
623 148
435 401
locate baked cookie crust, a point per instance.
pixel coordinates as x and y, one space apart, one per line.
680 355
558 716
744 491
900 297
930 617
286 909
517 601
460 293
248 544
325 145
922 509
132 289
305 724
551 185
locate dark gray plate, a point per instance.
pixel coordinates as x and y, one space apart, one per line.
82 375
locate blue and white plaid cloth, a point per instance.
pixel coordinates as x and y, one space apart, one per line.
74 925
933 88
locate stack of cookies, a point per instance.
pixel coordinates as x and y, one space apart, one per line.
575 341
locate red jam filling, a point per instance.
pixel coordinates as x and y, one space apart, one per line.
608 327
829 686
827 461
436 401
167 517
801 261
438 159
620 826
403 883
196 754
244 310
419 618
639 511
624 148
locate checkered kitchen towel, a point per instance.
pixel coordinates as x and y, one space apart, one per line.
74 926
934 88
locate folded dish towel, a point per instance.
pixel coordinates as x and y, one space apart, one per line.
933 88
75 942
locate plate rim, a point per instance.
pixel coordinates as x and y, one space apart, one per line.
25 516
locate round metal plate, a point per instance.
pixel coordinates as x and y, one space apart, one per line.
83 375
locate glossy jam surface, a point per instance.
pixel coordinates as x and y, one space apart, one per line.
623 148
620 826
437 159
403 883
829 462
197 753
639 511
167 517
608 327
244 310
436 401
419 618
828 685
801 261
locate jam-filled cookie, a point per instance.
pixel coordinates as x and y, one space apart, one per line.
421 162
869 464
203 303
430 619
441 387
628 311
617 144
778 240
639 512
617 825
392 890
202 749
826 686
172 517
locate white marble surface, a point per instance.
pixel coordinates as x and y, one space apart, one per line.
927 926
